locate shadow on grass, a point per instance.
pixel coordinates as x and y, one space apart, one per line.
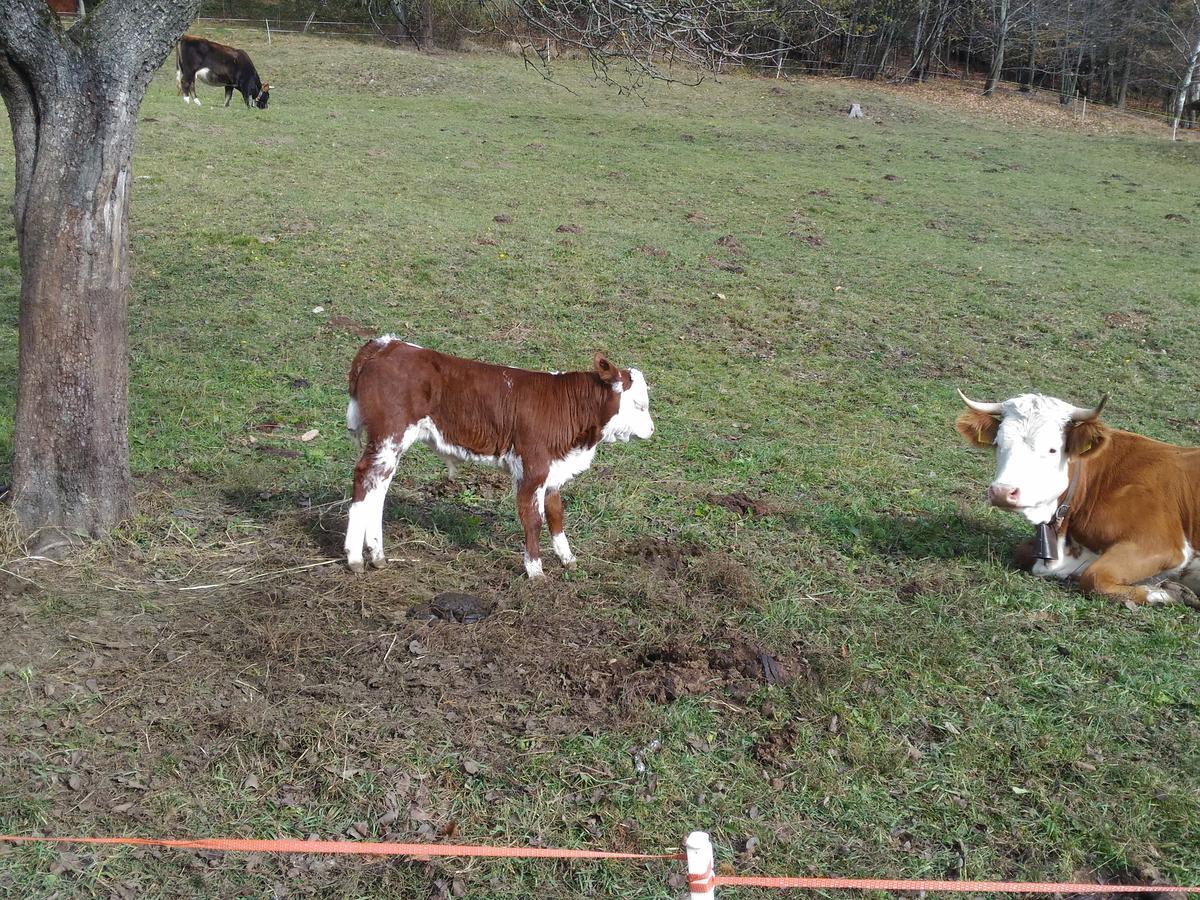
942 535
323 518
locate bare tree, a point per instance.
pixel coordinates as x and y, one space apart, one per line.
997 67
1183 29
647 36
73 95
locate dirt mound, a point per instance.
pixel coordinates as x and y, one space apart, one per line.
726 664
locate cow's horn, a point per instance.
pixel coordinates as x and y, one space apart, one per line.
992 409
1084 414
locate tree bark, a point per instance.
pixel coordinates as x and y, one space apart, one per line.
72 99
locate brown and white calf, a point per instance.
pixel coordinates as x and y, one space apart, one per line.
542 427
220 66
1119 508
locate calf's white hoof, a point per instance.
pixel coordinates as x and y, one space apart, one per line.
379 562
356 566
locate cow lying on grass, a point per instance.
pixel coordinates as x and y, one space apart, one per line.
1119 508
219 66
543 428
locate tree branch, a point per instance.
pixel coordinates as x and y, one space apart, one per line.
21 101
31 36
131 38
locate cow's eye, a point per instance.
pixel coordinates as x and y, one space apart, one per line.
1053 449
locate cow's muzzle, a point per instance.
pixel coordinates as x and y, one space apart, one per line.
1005 496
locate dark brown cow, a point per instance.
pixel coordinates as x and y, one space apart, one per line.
1113 508
542 427
220 66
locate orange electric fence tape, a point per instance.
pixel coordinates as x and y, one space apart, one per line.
707 881
356 848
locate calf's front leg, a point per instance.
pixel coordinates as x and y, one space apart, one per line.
1115 572
531 494
372 476
228 95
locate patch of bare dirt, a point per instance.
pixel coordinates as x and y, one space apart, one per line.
732 244
570 228
345 323
741 503
718 663
651 250
1132 321
726 266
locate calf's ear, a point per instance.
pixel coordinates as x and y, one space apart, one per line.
1086 438
978 428
606 370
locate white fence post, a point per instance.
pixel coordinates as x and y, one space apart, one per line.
268 23
701 875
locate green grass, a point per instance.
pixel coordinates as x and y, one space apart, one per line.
1031 730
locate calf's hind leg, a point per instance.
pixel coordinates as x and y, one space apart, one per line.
372 476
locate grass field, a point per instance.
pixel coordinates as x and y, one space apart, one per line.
804 293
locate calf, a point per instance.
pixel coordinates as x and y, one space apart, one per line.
1112 508
220 66
542 427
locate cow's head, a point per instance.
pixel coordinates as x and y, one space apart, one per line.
632 418
1035 437
264 96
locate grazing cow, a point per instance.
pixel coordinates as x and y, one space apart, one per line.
220 66
1112 508
542 427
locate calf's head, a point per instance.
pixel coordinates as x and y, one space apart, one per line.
1035 437
264 96
632 418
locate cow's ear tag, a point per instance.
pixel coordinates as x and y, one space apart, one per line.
1045 542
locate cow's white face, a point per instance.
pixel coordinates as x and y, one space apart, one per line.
1031 457
633 415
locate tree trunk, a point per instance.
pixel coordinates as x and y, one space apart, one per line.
1070 79
1031 64
1185 85
998 56
1123 89
72 99
426 23
71 467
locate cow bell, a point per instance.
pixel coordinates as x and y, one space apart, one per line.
1045 542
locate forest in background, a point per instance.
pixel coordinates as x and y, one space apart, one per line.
1126 53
